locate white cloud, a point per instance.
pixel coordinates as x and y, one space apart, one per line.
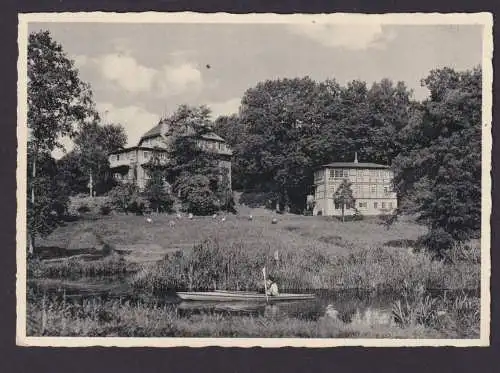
353 36
134 119
80 60
227 107
177 79
169 80
126 72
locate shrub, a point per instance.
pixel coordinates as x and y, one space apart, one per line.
83 208
105 209
259 199
438 242
127 198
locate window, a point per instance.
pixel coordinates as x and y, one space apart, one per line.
375 205
338 206
383 205
363 205
118 157
386 190
146 154
390 205
338 174
373 189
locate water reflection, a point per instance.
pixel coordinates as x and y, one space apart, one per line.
347 306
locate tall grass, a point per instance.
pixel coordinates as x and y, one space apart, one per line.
459 315
212 265
114 318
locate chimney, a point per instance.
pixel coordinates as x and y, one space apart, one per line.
356 157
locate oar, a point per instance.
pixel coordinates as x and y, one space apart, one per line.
265 284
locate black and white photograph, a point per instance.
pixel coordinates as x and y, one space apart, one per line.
189 179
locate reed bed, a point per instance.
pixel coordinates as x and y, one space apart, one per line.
115 318
213 265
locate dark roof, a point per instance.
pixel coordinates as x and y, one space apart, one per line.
354 165
125 150
153 132
156 131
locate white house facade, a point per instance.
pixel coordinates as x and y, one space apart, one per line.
127 164
371 184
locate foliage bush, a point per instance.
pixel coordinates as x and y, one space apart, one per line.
197 196
127 198
438 241
105 209
83 208
259 199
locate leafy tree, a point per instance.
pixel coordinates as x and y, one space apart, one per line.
52 197
274 152
57 101
157 191
439 172
196 195
343 196
192 168
186 129
71 172
93 145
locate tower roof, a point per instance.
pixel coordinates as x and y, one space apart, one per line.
156 131
354 165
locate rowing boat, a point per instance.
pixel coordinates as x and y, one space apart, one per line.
226 296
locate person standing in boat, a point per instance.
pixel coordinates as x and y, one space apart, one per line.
272 287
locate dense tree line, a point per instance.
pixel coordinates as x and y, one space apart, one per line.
287 127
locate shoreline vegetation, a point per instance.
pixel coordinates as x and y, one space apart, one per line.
416 316
312 254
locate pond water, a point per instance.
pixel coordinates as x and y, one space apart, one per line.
349 306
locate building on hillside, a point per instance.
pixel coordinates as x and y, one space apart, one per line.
127 164
371 185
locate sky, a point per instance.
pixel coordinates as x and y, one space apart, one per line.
141 72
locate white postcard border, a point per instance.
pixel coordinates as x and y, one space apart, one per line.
485 19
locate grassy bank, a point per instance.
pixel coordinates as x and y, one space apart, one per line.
49 317
155 239
74 267
213 264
